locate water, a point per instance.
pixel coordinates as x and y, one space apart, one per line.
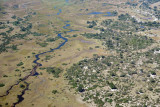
60 11
65 27
67 1
142 27
109 14
103 13
104 4
37 56
95 13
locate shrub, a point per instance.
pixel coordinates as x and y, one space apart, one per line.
54 91
2 85
20 64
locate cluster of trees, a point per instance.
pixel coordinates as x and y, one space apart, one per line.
131 3
152 1
114 13
55 71
28 28
52 39
3 27
150 24
91 24
124 17
10 30
90 77
7 39
127 17
25 27
145 5
119 40
106 22
42 44
36 34
125 23
14 47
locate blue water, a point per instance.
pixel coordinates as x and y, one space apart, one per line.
142 27
36 74
104 4
60 11
94 13
104 13
67 21
67 1
64 27
37 56
109 14
62 44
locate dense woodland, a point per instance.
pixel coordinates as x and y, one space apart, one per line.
127 77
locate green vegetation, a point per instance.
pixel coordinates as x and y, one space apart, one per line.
2 85
52 39
36 34
25 30
54 91
44 44
55 71
48 57
126 23
20 64
22 86
131 4
152 1
125 70
104 79
14 47
112 86
91 24
119 40
92 77
80 88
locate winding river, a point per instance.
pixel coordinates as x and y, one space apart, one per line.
37 56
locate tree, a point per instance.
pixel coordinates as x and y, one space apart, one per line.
2 85
22 86
14 47
14 17
54 91
81 88
20 64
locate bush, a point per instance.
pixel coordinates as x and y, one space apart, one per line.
99 102
20 64
80 88
2 85
112 86
43 44
50 39
54 91
22 86
55 71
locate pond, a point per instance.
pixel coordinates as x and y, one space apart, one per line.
103 13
